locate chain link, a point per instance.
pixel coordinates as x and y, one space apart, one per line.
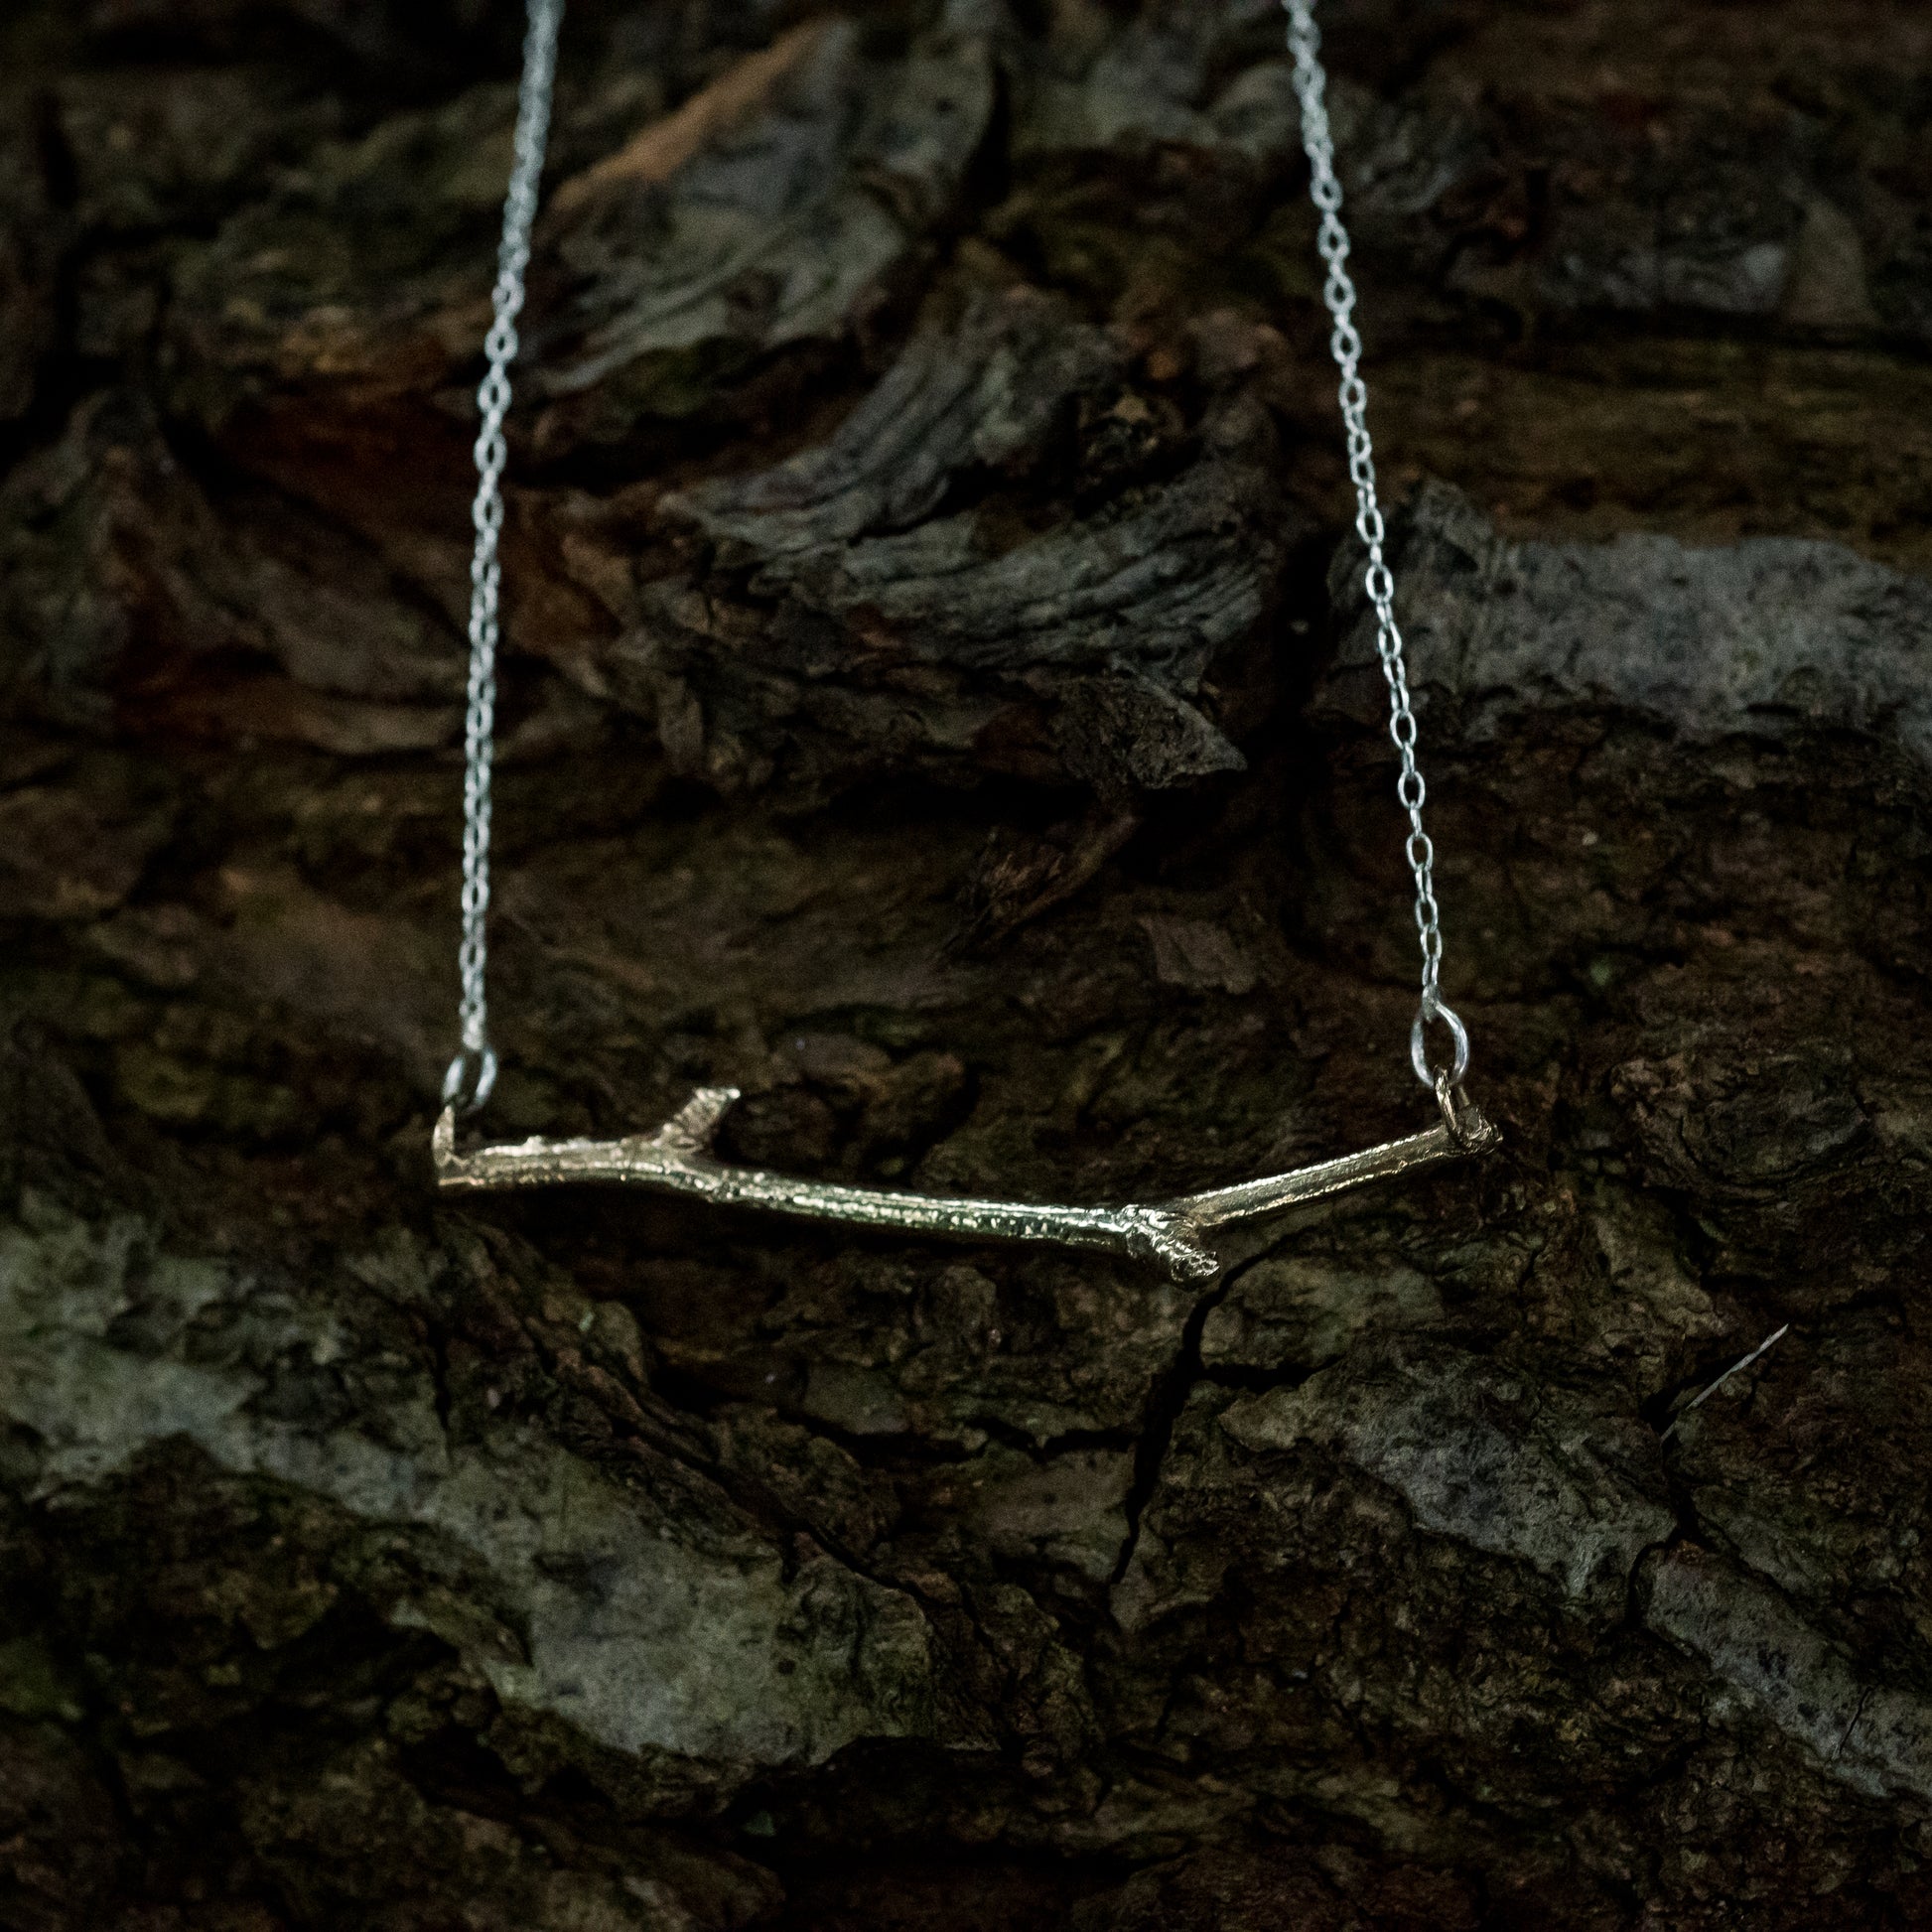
472 1072
1346 344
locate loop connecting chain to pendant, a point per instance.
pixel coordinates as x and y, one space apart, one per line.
470 1079
1433 1009
1346 345
472 1072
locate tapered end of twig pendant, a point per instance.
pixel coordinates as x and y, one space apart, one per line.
1472 1130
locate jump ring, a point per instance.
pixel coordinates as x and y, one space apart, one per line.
456 1081
1431 1007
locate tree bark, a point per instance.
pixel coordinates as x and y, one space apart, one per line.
939 703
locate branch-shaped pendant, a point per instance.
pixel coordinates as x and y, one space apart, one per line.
678 1159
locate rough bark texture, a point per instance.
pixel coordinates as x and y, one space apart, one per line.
938 702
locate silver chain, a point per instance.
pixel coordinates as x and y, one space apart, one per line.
1346 344
472 1072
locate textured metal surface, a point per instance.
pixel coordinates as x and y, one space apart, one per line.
677 1159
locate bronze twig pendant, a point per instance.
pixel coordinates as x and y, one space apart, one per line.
678 1159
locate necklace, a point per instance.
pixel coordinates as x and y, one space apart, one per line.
677 1157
